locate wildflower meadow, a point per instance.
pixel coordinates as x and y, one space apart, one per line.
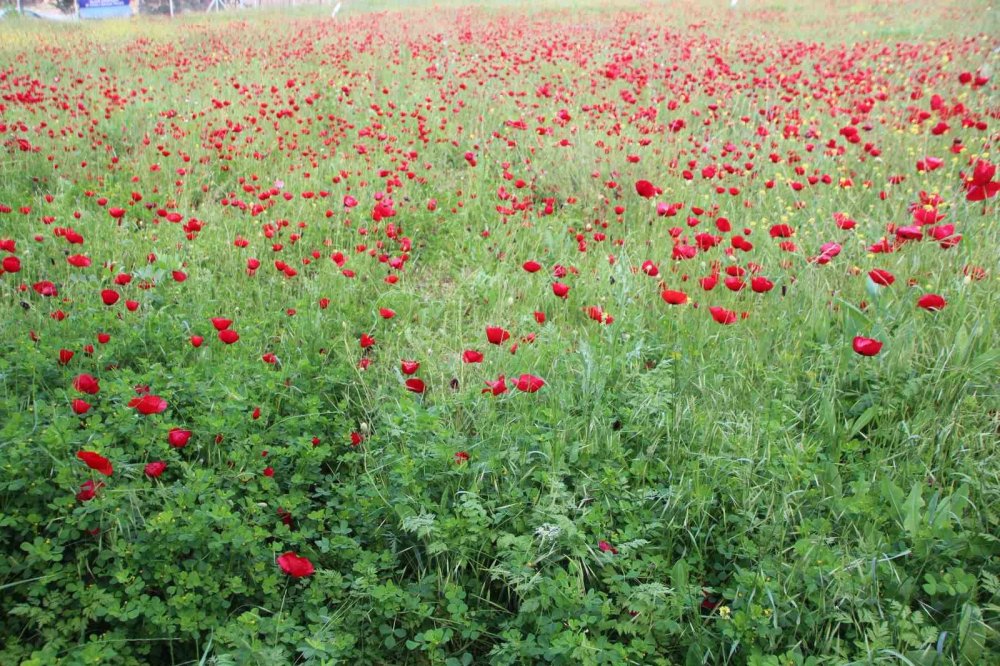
622 332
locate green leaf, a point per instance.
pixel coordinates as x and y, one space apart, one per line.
971 634
679 575
912 510
863 420
894 495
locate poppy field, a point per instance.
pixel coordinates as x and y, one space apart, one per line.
609 333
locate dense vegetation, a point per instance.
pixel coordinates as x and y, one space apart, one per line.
634 334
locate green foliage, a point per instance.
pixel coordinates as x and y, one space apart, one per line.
677 493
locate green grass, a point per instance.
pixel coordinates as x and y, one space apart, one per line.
770 496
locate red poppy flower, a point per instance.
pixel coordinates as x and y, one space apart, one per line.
980 186
539 317
844 222
366 341
496 335
645 189
110 296
386 313
531 266
409 367
597 313
932 302
829 251
606 547
229 336
45 288
472 356
734 283
88 490
103 338
461 457
65 356
866 346
11 264
80 406
941 232
86 384
295 566
96 462
196 341
178 437
496 387
930 164
722 315
761 285
881 277
154 469
221 323
148 404
974 272
559 289
415 385
529 383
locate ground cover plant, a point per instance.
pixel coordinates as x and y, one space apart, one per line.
602 334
